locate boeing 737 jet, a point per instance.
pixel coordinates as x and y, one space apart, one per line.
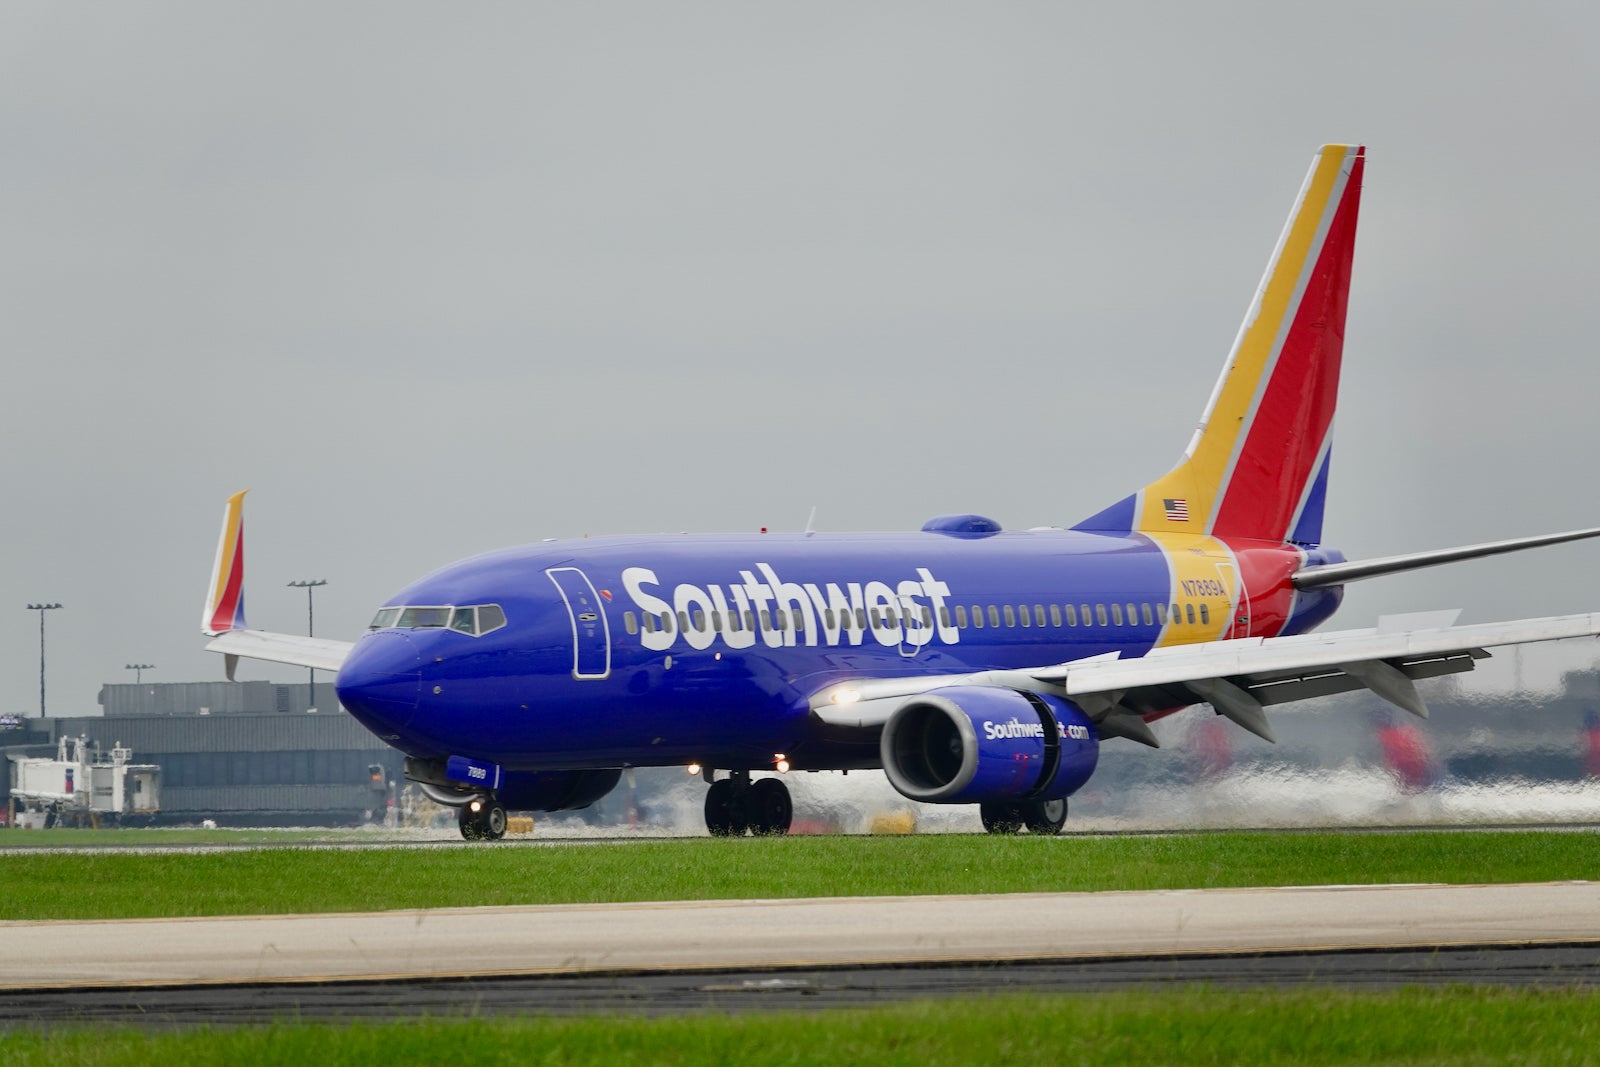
973 664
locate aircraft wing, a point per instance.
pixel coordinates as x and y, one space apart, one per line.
318 652
1237 677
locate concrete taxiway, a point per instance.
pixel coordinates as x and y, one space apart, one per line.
663 937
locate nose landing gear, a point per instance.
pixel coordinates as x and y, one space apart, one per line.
482 819
735 805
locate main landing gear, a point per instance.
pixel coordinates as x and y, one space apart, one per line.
1038 816
482 819
735 805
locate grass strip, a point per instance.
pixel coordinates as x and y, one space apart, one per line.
1195 1027
282 881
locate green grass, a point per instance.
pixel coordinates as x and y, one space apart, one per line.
1194 1027
110 885
72 837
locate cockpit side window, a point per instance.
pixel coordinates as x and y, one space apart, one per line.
465 620
490 618
384 618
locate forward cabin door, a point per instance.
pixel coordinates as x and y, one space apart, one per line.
591 636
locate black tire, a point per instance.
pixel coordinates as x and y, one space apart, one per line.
1045 816
492 820
724 812
1001 818
768 809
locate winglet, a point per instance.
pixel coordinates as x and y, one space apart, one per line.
224 608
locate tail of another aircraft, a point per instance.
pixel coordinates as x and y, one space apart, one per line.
1258 464
224 608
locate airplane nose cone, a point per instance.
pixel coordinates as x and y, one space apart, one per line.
380 682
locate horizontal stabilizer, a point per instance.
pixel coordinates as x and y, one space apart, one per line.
1342 573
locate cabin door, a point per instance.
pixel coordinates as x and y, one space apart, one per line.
591 636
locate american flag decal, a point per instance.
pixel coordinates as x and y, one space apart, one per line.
1177 509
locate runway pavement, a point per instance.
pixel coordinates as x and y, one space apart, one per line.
599 939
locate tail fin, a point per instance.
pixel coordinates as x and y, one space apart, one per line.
224 608
1258 464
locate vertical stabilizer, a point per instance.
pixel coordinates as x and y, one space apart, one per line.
1258 464
224 608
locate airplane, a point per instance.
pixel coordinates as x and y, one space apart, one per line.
972 664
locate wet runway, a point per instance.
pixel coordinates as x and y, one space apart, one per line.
670 993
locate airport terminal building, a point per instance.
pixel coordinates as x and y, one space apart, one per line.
237 753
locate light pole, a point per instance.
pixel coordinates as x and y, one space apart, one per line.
311 629
138 670
41 609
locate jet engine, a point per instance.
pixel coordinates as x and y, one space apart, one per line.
976 744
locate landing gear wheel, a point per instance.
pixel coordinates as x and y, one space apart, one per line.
768 809
486 823
725 815
1001 818
1045 817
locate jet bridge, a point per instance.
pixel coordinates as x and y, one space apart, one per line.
82 785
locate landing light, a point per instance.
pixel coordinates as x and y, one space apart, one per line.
476 805
780 763
694 768
846 696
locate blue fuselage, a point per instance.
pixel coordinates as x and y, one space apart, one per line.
706 649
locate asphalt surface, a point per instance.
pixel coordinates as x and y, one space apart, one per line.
672 993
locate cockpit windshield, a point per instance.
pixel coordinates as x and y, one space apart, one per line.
474 620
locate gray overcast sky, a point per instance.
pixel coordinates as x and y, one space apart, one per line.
434 279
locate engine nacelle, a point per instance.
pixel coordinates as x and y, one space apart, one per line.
555 790
972 744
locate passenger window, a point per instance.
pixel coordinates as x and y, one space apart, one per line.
1026 619
1205 614
716 621
1055 615
698 617
630 622
781 617
1188 609
877 620
650 624
961 617
944 616
749 620
1038 614
1116 614
927 618
827 619
1147 614
1011 616
683 621
766 619
1161 613
1133 615
861 618
1100 614
800 621
891 620
1072 615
